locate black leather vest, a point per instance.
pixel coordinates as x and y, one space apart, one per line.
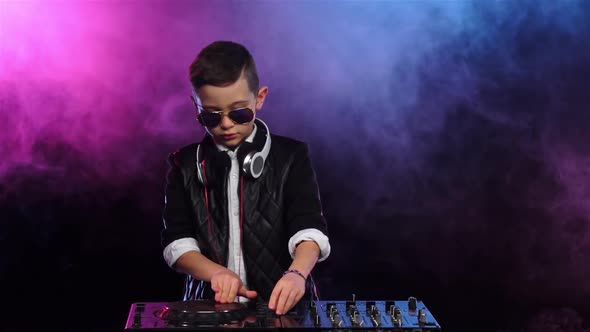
282 201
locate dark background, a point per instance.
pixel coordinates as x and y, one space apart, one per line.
449 141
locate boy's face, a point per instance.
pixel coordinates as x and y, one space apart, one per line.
226 99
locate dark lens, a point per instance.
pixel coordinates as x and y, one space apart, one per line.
209 119
241 116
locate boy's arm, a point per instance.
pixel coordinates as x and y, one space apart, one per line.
181 250
306 256
291 287
224 282
197 265
306 224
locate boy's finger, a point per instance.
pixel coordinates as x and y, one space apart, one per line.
291 300
233 290
243 291
272 302
224 291
281 302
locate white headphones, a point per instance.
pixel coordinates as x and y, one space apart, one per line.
253 162
250 159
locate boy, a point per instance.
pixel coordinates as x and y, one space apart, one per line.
242 213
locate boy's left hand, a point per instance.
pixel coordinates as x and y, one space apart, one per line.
287 292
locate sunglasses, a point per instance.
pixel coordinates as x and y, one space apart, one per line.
213 119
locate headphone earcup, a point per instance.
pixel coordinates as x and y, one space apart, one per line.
245 153
256 164
252 156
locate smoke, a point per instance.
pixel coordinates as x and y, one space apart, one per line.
445 125
101 79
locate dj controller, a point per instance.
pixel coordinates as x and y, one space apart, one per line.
205 315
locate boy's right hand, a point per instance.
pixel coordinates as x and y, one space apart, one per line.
227 285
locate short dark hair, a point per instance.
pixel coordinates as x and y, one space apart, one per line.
221 63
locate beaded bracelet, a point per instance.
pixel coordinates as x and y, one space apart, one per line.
296 272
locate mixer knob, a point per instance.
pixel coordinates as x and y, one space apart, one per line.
331 313
388 305
356 318
376 317
337 322
316 320
397 313
422 316
412 303
350 305
375 311
314 311
353 311
369 306
330 306
391 308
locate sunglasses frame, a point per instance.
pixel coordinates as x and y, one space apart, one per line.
200 110
223 113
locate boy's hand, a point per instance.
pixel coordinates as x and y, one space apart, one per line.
227 285
287 292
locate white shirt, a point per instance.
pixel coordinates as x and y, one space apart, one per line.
235 262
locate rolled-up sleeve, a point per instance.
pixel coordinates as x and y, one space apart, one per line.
179 247
311 234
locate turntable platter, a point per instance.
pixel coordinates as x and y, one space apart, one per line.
202 312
